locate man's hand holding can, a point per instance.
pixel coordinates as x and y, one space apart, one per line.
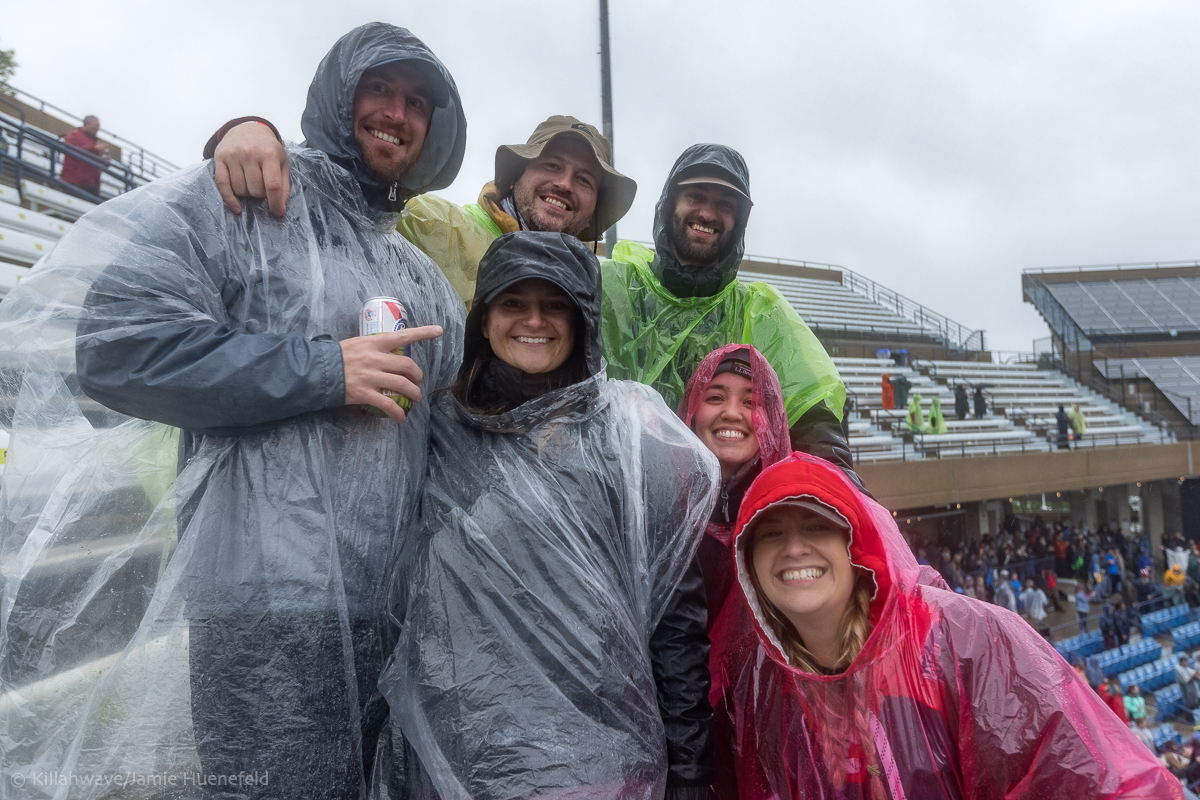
371 368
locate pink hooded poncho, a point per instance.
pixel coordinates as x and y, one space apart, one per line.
949 697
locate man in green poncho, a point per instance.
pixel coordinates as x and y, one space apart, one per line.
661 313
664 310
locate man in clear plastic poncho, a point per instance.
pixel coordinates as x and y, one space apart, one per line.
666 309
222 626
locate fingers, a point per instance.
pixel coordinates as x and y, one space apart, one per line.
277 185
386 405
228 196
397 339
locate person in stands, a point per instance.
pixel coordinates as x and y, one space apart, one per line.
1078 424
1110 693
1034 601
1189 681
1142 729
1135 704
733 403
554 640
962 406
845 675
889 393
78 172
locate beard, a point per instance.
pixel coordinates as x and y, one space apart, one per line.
697 254
525 198
388 170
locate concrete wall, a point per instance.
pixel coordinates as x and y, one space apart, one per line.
932 482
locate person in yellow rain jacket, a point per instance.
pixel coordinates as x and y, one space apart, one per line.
937 420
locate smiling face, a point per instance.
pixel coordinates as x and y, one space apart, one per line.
531 326
705 214
723 422
391 117
802 566
558 189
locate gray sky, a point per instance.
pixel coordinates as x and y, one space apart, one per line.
938 148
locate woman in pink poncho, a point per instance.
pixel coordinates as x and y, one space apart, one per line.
840 673
733 403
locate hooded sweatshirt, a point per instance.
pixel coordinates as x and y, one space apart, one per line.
949 697
769 420
547 650
161 311
660 318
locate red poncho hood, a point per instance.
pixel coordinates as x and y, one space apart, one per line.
949 697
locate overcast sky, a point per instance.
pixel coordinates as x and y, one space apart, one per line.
938 148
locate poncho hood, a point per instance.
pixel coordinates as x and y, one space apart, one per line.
564 261
328 126
877 549
768 417
685 280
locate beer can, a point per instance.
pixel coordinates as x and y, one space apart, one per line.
384 315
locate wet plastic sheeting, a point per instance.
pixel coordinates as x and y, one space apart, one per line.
209 601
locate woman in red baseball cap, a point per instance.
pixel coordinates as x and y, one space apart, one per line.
849 674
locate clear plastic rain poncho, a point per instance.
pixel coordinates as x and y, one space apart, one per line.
193 600
542 604
950 697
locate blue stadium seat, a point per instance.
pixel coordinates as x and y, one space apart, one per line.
1169 701
1163 733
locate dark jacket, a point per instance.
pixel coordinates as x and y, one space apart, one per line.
555 631
281 513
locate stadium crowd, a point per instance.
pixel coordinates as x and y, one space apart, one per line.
604 538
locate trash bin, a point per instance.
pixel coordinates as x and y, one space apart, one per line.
885 353
900 357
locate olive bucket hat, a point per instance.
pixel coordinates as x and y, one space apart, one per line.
616 191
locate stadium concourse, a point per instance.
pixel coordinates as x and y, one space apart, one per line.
1133 377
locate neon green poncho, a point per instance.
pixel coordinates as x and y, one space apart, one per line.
915 421
937 420
653 337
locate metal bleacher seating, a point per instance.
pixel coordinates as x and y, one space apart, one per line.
1154 675
1163 620
1169 701
1132 306
1186 636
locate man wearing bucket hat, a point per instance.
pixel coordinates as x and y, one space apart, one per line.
666 309
560 181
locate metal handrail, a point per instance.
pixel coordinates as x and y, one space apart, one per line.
25 133
146 164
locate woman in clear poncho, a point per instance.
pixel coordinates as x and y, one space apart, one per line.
857 679
734 404
553 643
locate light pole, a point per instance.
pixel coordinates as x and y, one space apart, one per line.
610 236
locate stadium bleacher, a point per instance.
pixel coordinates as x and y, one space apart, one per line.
1164 733
1178 377
1163 620
1022 403
1132 306
1169 701
1155 675
1186 636
1128 656
1081 646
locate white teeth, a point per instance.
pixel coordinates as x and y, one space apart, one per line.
806 574
703 229
554 201
726 434
532 339
381 135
